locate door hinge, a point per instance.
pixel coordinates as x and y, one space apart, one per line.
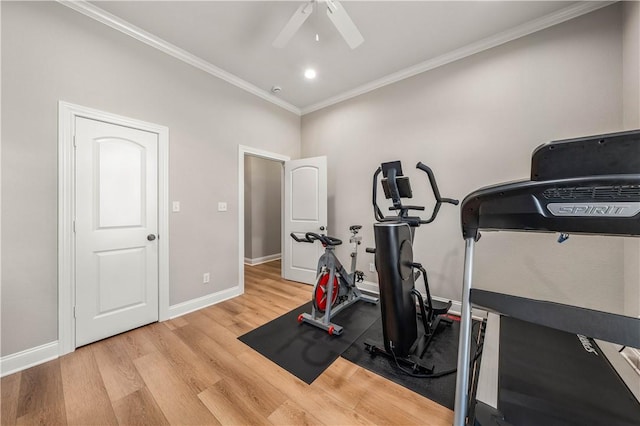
74 226
74 312
74 141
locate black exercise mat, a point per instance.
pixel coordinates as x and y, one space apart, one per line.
441 353
304 350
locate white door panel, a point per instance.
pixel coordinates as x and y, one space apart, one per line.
305 205
121 182
116 210
121 279
305 210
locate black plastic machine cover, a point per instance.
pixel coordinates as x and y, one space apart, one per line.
612 154
586 185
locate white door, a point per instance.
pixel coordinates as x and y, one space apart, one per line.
116 222
305 210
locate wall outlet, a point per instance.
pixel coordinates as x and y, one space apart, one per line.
372 267
175 206
222 206
206 277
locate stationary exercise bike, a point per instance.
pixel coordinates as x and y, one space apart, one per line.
335 288
397 273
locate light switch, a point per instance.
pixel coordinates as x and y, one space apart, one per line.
222 206
176 206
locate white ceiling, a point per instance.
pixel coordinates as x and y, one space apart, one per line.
402 38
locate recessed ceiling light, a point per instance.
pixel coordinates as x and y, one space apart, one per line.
310 73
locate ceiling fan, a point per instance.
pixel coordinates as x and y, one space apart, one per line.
335 12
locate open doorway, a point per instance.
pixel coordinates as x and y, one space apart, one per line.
303 208
247 158
262 210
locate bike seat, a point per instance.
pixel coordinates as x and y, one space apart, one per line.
355 227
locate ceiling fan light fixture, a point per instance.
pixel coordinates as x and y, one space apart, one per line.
335 12
309 73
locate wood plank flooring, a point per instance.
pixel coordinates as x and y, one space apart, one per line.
193 371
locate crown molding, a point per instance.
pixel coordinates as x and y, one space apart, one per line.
560 16
139 34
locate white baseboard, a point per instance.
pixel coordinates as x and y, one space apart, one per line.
202 302
40 354
456 306
369 287
28 358
263 259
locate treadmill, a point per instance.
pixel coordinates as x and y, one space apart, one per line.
546 363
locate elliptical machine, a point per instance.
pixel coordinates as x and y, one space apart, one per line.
397 272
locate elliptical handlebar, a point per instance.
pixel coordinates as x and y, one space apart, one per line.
377 213
394 192
310 237
436 193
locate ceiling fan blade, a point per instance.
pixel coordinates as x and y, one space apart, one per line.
344 24
294 24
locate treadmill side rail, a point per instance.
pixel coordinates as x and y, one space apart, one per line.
614 328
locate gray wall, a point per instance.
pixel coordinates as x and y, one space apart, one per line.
631 105
51 53
263 207
476 122
247 207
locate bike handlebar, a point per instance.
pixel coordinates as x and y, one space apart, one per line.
300 240
310 237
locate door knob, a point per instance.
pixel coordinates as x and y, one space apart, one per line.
151 237
322 228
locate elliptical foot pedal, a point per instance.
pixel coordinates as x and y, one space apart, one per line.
371 347
412 362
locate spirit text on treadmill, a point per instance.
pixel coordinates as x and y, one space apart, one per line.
594 209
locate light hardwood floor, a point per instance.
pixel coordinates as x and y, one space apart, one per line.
193 370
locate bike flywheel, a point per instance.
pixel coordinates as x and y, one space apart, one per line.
321 292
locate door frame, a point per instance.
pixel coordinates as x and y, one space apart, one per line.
67 114
244 151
